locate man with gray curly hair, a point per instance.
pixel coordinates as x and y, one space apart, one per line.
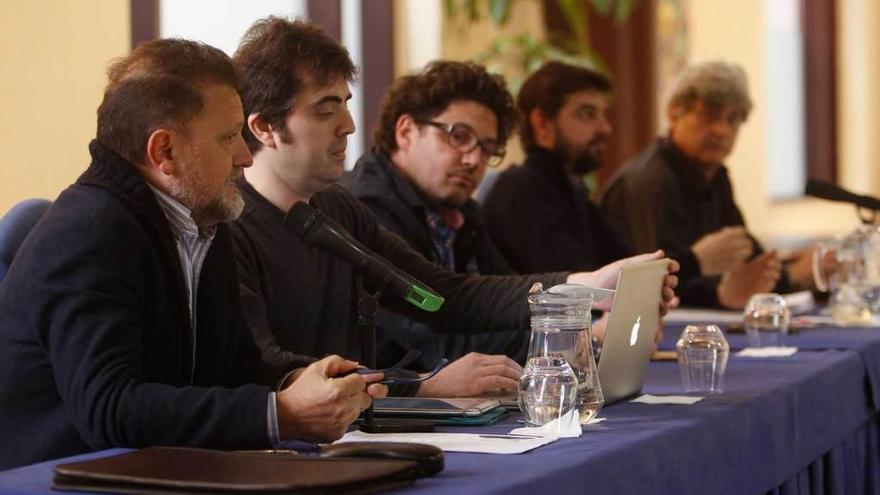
676 195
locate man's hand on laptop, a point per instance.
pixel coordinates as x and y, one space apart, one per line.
599 326
606 278
473 374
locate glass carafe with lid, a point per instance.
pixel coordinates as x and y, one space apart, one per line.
561 332
849 269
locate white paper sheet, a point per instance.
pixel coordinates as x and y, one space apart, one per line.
567 426
456 442
668 399
766 352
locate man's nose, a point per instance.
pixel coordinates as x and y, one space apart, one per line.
242 156
347 127
473 158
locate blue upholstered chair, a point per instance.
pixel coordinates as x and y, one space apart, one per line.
488 182
14 227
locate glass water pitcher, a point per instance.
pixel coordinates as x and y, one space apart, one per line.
561 338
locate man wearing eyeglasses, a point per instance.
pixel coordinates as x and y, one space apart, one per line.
438 132
677 195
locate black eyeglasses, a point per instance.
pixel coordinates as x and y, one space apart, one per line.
463 139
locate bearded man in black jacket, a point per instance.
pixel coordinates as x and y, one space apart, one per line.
119 318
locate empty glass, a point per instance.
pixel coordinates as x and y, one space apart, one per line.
702 358
766 319
561 329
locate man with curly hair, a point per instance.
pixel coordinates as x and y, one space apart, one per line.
438 132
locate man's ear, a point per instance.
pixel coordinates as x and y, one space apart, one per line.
542 128
162 151
404 131
261 130
673 113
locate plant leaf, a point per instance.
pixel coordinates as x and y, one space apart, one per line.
499 11
624 9
473 10
574 14
449 9
603 7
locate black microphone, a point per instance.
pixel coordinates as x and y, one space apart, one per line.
321 231
824 190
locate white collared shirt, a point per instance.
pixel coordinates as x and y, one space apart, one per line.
192 244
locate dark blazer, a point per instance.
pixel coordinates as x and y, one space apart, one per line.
400 207
96 349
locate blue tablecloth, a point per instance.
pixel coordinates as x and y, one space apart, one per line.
864 341
805 424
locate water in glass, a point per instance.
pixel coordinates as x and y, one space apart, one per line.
547 390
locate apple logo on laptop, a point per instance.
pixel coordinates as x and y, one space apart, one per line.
634 336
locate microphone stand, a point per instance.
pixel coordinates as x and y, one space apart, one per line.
368 306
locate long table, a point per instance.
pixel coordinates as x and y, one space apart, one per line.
802 424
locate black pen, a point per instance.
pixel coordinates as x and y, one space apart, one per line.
511 436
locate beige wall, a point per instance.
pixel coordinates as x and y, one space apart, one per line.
54 55
734 31
858 96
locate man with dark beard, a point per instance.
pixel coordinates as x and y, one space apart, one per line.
539 215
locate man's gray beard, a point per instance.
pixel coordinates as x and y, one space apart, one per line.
223 209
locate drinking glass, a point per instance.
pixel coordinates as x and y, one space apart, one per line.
702 358
766 319
547 390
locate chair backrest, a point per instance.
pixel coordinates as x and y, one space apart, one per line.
488 182
15 226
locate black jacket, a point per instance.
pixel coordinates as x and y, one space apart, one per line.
96 347
660 199
401 208
540 220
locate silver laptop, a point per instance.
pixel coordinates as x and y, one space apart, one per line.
629 337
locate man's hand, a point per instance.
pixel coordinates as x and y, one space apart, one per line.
800 268
606 278
599 327
719 251
473 374
756 276
318 407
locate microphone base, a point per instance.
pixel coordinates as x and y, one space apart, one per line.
397 425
